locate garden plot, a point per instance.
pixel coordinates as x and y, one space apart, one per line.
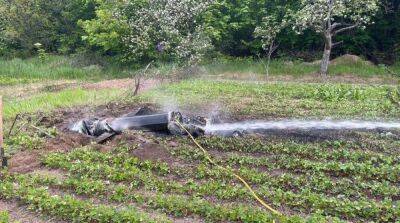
330 176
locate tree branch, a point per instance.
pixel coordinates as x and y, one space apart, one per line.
337 43
335 25
344 29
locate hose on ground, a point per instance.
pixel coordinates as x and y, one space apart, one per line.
208 157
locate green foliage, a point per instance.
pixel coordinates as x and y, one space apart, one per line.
21 71
49 101
144 31
231 25
68 26
52 23
394 96
41 52
24 141
105 30
336 93
282 100
4 217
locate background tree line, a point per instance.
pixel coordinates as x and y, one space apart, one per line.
105 26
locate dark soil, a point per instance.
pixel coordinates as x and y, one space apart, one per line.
28 161
154 152
24 162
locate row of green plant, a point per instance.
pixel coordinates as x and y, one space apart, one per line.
362 208
364 204
316 151
316 180
365 171
383 172
65 207
179 206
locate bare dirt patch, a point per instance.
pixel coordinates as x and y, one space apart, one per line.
20 214
64 142
122 84
154 152
28 161
24 162
117 83
27 90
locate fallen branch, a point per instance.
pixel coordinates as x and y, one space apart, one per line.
12 126
43 131
138 78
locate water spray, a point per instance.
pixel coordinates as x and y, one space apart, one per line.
309 125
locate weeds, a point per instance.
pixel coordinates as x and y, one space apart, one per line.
311 188
50 101
336 93
4 217
23 141
280 100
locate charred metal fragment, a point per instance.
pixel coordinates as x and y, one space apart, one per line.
141 120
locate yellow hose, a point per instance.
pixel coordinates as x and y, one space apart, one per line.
208 157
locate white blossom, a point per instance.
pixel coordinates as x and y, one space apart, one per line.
164 27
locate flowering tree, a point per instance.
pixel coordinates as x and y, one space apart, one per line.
268 31
164 28
332 17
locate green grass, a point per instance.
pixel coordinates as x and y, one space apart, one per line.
248 65
4 217
294 68
46 102
21 71
279 100
53 68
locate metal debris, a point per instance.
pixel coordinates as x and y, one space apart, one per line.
144 119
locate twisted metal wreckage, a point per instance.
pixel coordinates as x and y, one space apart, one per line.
173 123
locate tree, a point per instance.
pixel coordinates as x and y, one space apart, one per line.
332 17
51 23
106 30
269 29
148 30
231 24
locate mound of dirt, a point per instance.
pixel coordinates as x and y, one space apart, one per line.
66 141
349 59
153 152
24 162
28 161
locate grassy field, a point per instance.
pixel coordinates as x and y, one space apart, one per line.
19 71
281 100
345 176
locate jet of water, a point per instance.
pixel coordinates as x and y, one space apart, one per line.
302 125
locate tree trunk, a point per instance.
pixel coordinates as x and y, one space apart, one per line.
327 55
